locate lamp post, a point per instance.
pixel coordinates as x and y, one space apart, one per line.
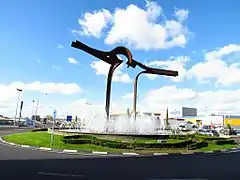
15 118
37 106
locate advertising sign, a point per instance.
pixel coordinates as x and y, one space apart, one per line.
69 118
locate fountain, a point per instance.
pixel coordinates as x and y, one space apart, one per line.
135 124
144 124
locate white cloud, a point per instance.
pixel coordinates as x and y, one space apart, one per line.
72 60
181 14
56 67
59 46
220 101
102 68
92 24
45 87
127 96
140 27
174 63
216 68
9 93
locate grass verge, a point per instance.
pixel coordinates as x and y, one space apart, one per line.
42 139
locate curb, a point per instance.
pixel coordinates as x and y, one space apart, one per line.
132 154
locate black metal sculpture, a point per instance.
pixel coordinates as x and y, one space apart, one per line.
111 58
147 70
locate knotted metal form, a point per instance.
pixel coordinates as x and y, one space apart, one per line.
111 58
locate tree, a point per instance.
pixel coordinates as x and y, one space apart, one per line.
49 117
229 128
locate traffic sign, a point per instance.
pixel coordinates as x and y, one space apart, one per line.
54 114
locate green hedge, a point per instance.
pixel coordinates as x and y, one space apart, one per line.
83 136
77 141
197 145
88 139
196 137
37 130
224 141
188 141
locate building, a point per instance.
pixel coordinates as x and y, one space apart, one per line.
233 120
217 120
182 112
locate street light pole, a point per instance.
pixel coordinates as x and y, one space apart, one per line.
15 118
36 111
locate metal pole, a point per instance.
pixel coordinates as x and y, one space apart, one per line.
36 111
15 118
108 92
52 134
135 95
33 109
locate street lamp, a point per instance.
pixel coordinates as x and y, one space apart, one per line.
147 70
15 118
36 111
111 58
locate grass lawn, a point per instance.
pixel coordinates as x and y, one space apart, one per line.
42 139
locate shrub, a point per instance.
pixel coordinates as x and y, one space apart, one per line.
224 141
83 136
197 145
37 130
178 137
88 139
76 141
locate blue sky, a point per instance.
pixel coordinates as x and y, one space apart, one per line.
32 30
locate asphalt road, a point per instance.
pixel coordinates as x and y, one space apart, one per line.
17 163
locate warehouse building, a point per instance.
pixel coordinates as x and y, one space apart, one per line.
233 120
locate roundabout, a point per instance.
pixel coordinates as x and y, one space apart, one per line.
121 144
29 163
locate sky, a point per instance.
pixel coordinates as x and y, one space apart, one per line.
199 39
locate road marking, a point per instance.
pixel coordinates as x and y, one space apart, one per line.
69 151
130 154
25 146
208 152
187 153
60 174
46 149
174 179
160 154
99 152
11 143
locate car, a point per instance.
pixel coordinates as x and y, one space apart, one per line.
214 133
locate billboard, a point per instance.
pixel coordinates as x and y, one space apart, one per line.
69 118
189 111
